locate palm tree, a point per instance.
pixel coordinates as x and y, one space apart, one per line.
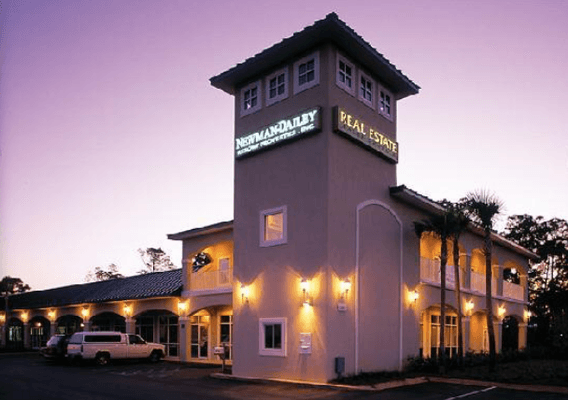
483 207
438 225
458 225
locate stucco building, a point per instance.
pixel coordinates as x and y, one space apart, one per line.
321 268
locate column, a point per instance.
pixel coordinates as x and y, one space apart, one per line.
86 326
522 336
497 273
130 325
184 338
52 328
467 274
27 336
498 327
465 329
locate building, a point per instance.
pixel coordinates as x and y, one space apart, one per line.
321 271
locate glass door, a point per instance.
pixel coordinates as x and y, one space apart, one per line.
200 336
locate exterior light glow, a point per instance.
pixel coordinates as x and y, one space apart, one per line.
51 315
502 310
2 318
345 287
528 314
245 292
25 315
414 296
85 312
182 306
305 285
469 306
127 309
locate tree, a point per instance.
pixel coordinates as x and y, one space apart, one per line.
548 276
458 221
101 274
483 208
438 225
155 260
10 286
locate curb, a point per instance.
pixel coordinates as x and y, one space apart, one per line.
399 383
370 388
512 386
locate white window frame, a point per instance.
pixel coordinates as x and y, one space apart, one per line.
369 103
256 107
262 350
353 76
452 329
272 211
380 92
314 82
278 97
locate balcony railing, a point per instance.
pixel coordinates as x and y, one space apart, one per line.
210 280
430 272
478 283
513 291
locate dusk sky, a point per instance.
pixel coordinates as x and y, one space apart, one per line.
111 136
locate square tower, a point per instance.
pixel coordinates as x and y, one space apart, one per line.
315 137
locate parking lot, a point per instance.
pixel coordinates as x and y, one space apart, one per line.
27 376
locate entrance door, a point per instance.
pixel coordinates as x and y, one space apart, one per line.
200 336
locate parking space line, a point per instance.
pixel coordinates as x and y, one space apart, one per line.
471 393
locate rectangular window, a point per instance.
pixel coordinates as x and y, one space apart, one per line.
385 104
306 72
345 75
226 335
450 335
250 98
276 86
273 227
366 90
272 337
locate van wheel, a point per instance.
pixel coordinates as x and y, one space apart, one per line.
155 356
102 359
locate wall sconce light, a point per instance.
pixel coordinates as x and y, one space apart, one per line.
305 286
182 307
414 296
127 310
245 292
345 287
502 310
25 315
85 312
2 318
51 315
469 306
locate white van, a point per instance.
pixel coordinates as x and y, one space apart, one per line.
104 346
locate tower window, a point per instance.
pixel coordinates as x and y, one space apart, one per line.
250 98
273 227
385 104
366 90
277 86
306 72
345 74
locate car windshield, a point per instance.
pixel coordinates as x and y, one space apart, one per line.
54 340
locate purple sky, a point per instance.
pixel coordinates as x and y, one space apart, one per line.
111 136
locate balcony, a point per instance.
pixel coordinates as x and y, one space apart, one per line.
211 280
478 283
513 291
430 272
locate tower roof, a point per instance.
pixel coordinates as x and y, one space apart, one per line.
330 29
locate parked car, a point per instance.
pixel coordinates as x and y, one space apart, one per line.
105 346
55 349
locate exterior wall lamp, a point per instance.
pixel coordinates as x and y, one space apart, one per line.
182 308
2 318
345 287
127 310
51 315
502 310
245 292
414 296
25 315
85 312
469 307
528 315
305 286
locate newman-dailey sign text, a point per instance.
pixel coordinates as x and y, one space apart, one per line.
278 132
366 134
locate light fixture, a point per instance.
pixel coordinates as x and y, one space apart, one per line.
469 306
414 296
528 314
502 310
25 315
305 286
127 309
2 318
51 315
182 307
345 287
245 292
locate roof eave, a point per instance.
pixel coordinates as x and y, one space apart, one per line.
198 232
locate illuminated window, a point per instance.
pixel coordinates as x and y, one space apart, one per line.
450 335
276 86
345 74
306 72
272 337
385 103
273 227
250 98
366 90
